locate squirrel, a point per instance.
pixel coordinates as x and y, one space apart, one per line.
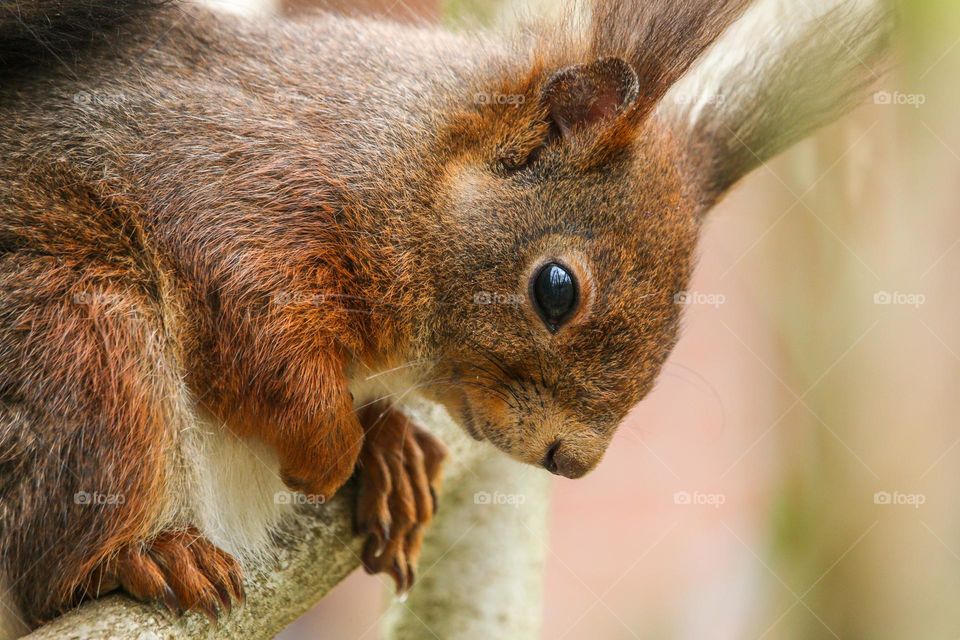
219 236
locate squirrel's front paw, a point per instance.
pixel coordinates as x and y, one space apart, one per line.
399 469
181 569
320 465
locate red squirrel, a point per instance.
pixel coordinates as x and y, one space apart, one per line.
218 235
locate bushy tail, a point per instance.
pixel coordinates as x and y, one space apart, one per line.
35 31
784 70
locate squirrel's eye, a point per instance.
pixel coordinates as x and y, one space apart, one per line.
555 295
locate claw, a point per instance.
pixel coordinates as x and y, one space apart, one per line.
224 595
411 576
382 533
237 590
369 557
171 601
399 576
209 609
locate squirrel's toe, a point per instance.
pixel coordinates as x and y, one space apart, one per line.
182 570
400 469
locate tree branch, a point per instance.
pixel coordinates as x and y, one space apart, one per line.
319 550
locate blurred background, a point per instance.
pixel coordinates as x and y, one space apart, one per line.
795 474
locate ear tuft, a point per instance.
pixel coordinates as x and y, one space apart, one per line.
583 95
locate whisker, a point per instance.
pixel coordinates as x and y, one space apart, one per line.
412 363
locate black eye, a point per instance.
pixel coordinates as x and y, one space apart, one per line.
555 295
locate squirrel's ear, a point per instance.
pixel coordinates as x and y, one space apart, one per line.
584 95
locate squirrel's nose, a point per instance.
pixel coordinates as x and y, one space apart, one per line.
558 460
550 459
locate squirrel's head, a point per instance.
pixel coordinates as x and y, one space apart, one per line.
568 206
567 240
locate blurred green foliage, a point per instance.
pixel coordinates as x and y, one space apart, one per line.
457 13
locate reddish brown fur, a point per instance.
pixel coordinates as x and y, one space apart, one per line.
260 219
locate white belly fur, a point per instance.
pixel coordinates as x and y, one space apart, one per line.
228 487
